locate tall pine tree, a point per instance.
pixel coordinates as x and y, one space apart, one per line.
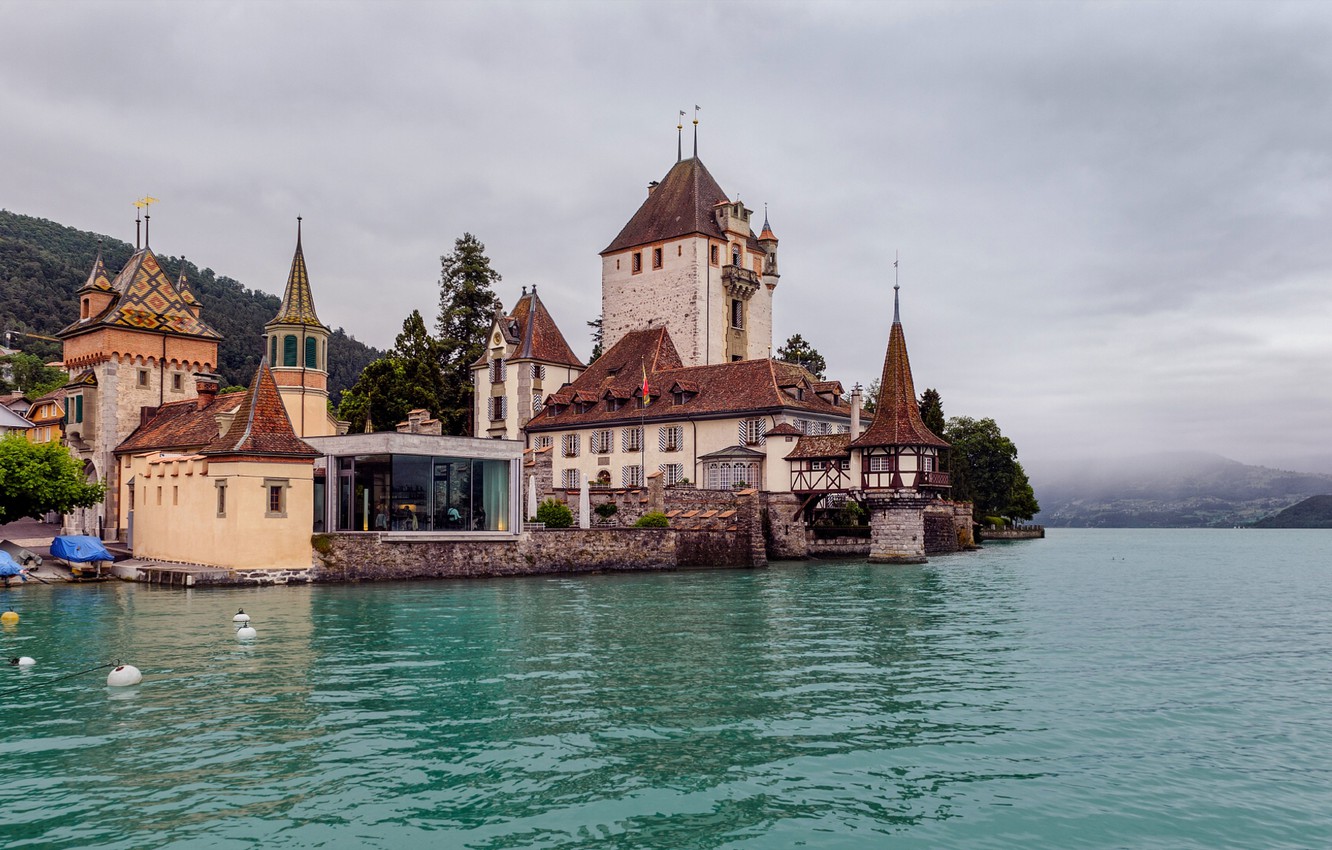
467 306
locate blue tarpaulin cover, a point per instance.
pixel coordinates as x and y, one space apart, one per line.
79 549
8 566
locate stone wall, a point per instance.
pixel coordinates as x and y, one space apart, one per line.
897 528
839 547
785 537
364 557
940 533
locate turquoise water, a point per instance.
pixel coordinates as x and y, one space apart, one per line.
1133 689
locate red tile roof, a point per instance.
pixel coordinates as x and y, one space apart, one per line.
681 205
720 389
261 426
822 446
897 419
180 425
531 328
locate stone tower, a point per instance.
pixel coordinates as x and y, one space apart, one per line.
899 461
297 346
135 346
688 259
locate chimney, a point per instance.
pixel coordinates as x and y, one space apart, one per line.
652 187
855 411
206 386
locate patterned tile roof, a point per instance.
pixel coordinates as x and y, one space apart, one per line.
681 205
261 426
897 419
183 287
297 301
146 300
98 279
180 425
719 389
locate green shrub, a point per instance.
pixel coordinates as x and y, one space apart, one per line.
606 510
653 519
554 513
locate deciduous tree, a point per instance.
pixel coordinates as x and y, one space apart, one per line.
985 470
37 478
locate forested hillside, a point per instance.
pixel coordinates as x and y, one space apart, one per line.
42 263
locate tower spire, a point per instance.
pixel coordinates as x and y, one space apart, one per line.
897 313
679 137
696 109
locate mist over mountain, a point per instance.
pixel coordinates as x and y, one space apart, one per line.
1169 490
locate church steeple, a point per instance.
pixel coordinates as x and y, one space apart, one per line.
297 301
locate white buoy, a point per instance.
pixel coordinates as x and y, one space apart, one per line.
124 676
246 632
23 661
241 617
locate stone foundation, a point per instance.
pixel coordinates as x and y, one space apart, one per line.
785 537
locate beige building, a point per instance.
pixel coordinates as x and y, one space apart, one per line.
526 359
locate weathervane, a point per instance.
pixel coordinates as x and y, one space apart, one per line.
696 109
679 137
142 204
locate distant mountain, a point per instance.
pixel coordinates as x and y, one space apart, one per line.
42 263
1179 490
1313 512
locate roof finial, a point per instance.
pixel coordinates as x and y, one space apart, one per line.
146 218
524 295
897 314
298 231
679 137
696 109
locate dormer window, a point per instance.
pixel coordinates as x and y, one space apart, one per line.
614 403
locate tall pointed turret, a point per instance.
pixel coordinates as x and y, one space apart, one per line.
183 288
297 346
898 451
97 292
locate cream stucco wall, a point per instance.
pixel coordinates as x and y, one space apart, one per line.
518 386
176 512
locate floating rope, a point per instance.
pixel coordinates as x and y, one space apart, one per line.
58 679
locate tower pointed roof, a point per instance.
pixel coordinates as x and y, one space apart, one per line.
260 426
297 301
897 419
680 205
183 287
146 300
767 233
540 336
98 279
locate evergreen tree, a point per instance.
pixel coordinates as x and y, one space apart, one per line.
467 307
598 339
870 400
798 351
931 410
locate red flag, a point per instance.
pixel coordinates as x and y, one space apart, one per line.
647 399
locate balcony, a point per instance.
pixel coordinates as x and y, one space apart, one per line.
740 282
932 479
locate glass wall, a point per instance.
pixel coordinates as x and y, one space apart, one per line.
422 493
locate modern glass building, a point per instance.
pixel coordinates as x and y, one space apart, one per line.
417 484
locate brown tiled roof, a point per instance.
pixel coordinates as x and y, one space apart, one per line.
820 446
297 300
180 425
834 387
540 336
897 419
785 429
261 426
681 205
739 387
146 300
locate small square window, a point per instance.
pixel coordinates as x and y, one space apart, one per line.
656 258
637 262
177 382
143 377
275 491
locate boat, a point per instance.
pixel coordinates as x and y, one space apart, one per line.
85 557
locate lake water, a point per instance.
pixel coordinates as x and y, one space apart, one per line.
1134 689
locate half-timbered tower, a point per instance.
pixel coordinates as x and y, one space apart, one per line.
899 460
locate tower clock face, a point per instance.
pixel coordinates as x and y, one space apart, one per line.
497 339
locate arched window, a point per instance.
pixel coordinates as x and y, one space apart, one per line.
311 353
289 350
272 350
83 314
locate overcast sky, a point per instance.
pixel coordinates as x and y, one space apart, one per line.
1115 220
